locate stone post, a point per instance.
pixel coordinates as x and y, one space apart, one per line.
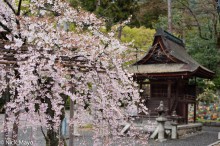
174 130
76 130
75 125
174 125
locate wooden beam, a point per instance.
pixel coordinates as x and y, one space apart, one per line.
157 82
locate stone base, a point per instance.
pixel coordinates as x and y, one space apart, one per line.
185 130
161 140
217 143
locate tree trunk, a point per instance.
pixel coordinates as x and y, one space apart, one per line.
120 32
52 136
52 139
6 130
71 128
15 129
7 94
98 3
218 42
169 16
16 122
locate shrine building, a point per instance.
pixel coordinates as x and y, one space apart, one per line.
167 73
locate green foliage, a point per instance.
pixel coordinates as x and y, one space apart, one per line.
150 12
24 6
142 37
72 27
209 94
89 5
204 51
74 3
207 121
67 104
161 23
114 11
216 80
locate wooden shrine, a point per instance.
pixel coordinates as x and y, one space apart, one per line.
167 73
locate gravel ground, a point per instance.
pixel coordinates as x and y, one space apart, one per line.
207 136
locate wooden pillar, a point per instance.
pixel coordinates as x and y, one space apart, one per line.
150 89
140 84
195 102
177 89
169 95
194 117
186 113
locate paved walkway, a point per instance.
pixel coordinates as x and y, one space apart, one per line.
207 136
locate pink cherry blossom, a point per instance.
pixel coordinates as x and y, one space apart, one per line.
49 62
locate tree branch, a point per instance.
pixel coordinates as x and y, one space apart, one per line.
46 138
5 27
10 6
197 21
19 8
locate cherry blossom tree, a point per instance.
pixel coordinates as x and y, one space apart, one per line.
42 64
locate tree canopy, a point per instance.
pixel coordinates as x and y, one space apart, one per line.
114 11
42 63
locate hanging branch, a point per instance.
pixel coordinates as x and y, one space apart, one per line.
5 27
17 14
10 6
197 21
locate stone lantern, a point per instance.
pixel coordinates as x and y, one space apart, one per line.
161 121
174 124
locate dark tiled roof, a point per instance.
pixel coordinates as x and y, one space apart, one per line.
161 32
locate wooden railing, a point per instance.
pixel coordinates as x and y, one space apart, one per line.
188 98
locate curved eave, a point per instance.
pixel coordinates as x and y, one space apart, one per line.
169 71
203 73
181 75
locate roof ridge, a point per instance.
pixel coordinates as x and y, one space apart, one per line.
166 34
